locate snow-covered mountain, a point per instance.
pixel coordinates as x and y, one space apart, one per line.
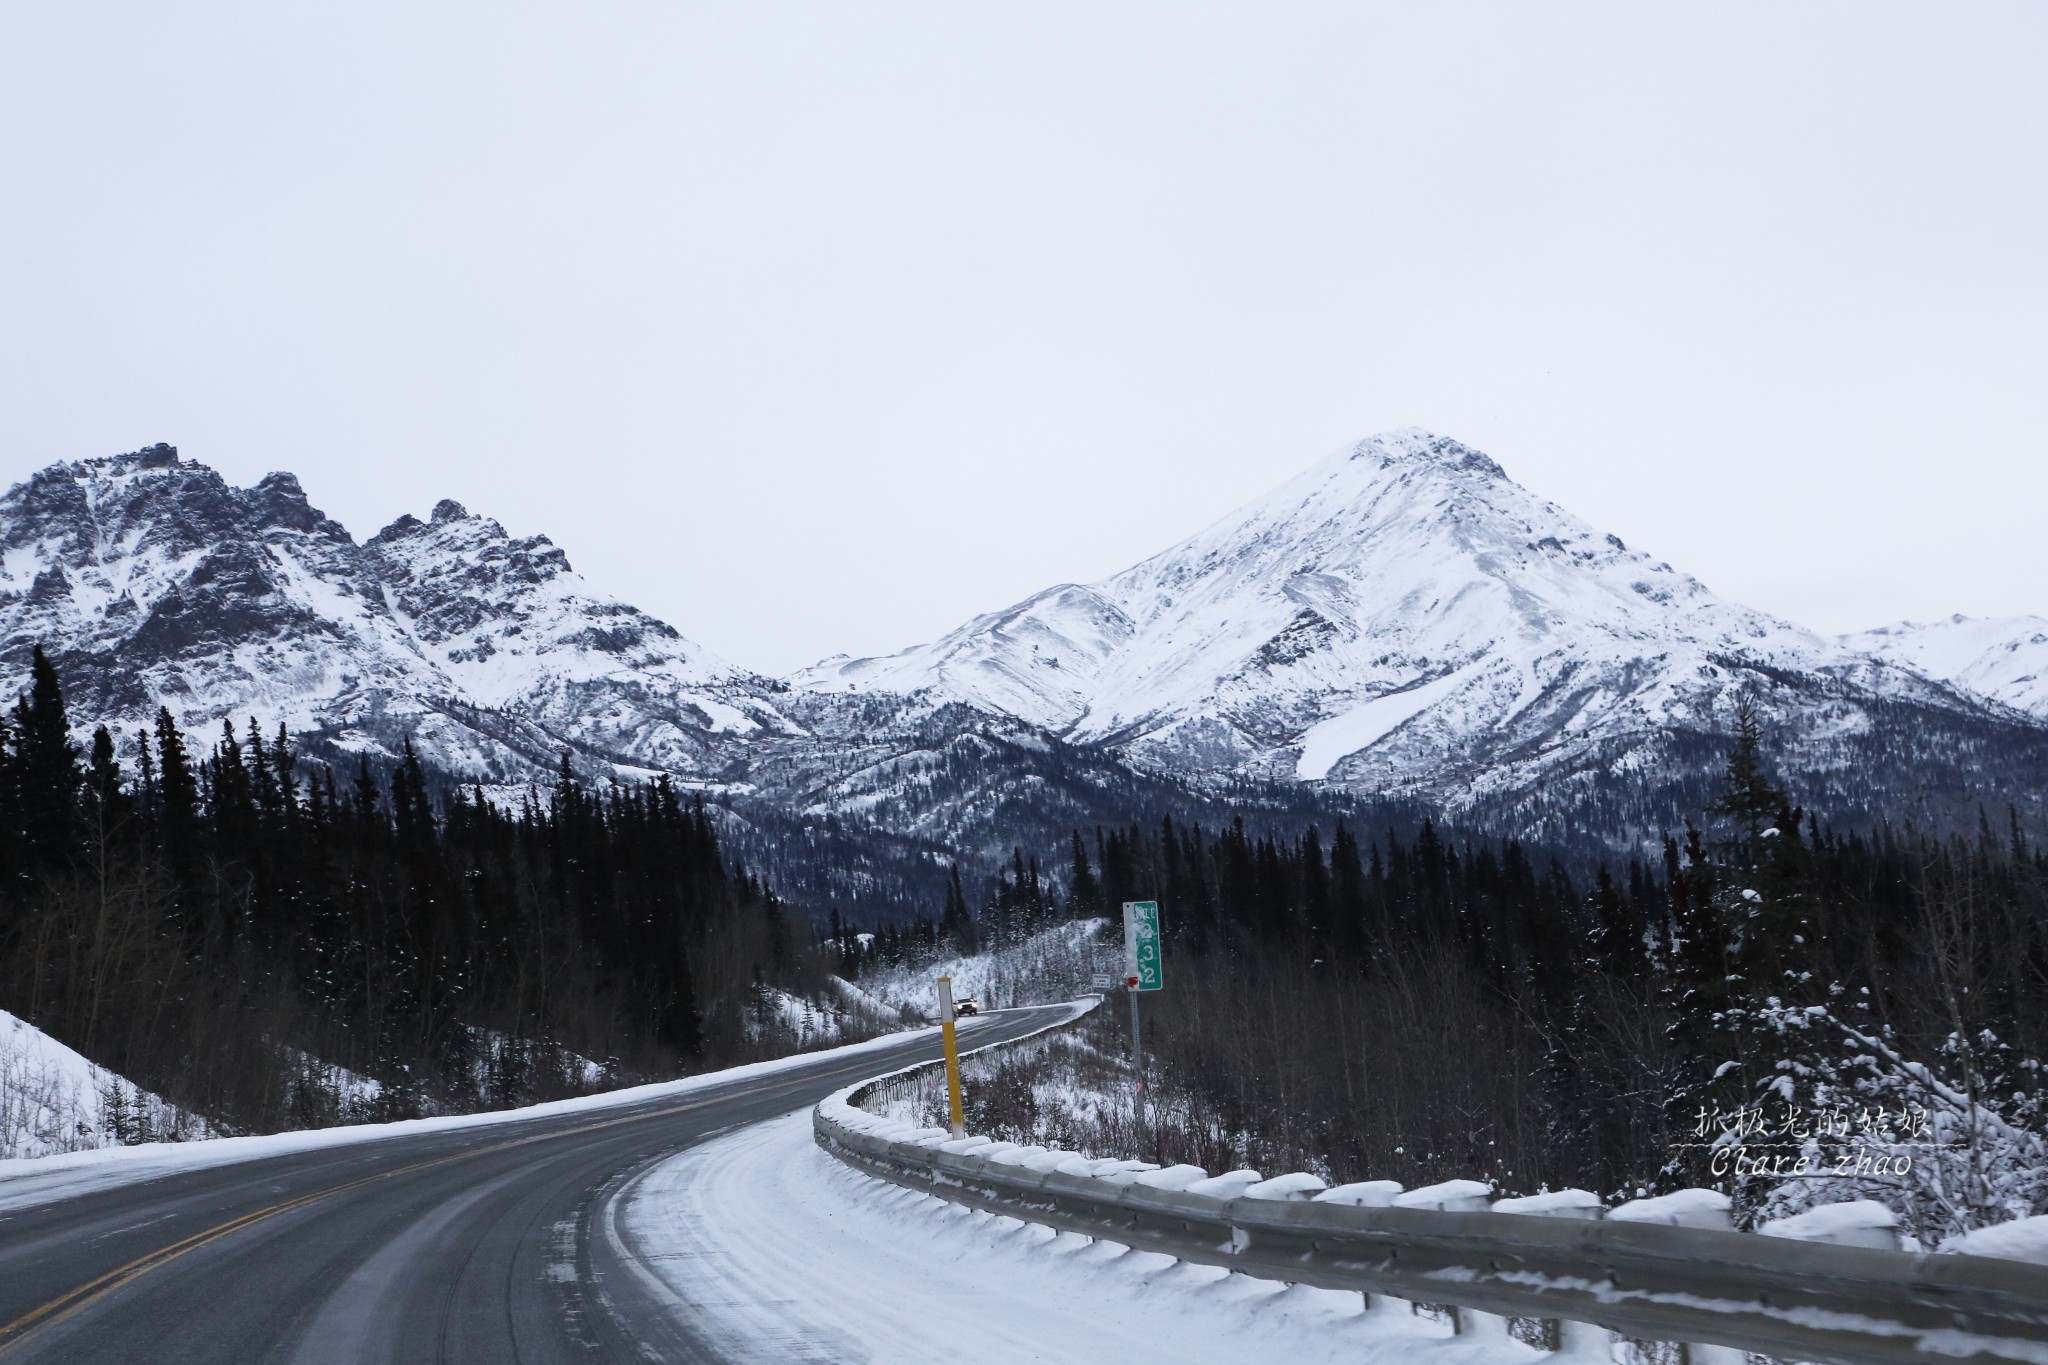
1401 620
1400 617
152 581
2004 658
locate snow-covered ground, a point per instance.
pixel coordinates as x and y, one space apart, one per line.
351 1092
1052 964
26 1181
779 1252
821 1023
53 1100
1057 1090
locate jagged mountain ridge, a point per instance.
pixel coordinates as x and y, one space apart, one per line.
2003 658
1400 622
1403 617
152 581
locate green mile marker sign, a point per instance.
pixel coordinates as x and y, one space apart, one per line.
1141 944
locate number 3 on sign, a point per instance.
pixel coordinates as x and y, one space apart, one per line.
1141 944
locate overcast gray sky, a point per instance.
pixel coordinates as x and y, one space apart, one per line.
822 327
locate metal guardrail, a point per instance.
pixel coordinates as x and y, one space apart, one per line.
1793 1300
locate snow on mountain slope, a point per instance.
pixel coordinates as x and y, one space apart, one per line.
1401 618
2004 658
159 583
515 628
151 581
1039 660
1402 615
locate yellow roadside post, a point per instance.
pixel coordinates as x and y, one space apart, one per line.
952 1056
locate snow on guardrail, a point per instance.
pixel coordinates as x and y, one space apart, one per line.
1820 1288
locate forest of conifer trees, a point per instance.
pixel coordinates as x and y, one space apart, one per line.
226 926
1425 1009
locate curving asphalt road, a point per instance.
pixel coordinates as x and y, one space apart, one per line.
481 1244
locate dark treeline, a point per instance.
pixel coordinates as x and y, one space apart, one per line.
1022 903
1423 1010
225 925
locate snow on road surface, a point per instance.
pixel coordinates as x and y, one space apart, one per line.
777 1252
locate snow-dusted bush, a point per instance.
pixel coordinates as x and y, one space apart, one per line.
783 1021
53 1100
1051 964
1950 1146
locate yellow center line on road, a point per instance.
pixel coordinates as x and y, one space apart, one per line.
74 1301
68 1304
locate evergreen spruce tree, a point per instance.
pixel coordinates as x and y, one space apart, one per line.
1748 797
107 803
284 769
177 799
1315 894
956 923
1348 930
145 763
1084 897
14 873
47 774
1616 939
1764 912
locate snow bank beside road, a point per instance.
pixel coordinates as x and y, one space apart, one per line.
776 1251
41 1180
53 1100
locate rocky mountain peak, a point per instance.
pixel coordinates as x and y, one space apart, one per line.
152 580
1414 444
278 501
405 524
162 455
1400 618
1398 602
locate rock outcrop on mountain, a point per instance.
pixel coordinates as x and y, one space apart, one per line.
152 582
1400 622
1405 618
